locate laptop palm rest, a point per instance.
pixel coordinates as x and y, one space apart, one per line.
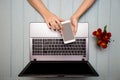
58 69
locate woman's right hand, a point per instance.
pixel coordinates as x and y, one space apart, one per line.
53 22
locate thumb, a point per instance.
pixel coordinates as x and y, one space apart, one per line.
73 26
76 27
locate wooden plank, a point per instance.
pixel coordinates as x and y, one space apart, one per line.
38 17
91 19
17 37
15 78
102 54
5 39
66 9
76 4
29 16
54 7
114 52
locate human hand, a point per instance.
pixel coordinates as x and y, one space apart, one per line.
53 22
74 22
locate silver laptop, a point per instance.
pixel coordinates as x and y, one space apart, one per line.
48 53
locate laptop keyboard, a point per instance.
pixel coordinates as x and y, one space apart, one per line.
57 47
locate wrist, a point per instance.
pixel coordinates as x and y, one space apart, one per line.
46 14
75 16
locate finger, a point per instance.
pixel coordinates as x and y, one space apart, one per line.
76 27
61 20
60 31
49 25
59 25
73 27
53 26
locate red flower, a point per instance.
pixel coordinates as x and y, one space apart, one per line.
109 34
99 30
98 33
99 42
102 37
94 33
103 45
106 38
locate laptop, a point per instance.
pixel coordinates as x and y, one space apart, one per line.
50 57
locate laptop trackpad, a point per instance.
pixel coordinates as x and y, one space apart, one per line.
73 68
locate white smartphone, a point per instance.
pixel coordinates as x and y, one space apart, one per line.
67 32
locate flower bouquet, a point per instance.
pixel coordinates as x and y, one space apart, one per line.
102 37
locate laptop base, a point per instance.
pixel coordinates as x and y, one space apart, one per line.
58 69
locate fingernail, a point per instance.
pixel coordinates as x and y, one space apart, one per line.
49 24
55 21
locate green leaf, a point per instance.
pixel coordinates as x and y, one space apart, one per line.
105 28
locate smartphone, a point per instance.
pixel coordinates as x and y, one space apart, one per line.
67 33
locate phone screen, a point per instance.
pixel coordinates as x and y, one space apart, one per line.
67 33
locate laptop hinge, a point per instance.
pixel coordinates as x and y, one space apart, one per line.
61 75
83 59
35 60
